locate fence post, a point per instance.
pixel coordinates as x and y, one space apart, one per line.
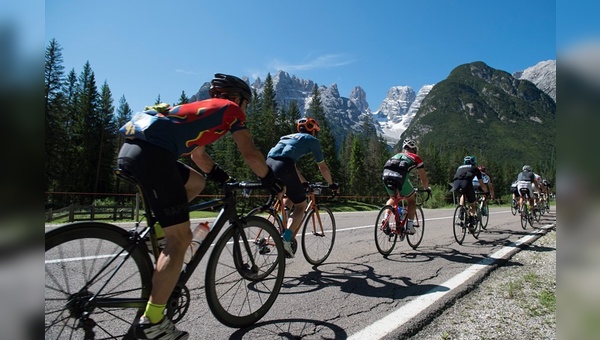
71 212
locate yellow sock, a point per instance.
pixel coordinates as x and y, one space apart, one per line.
154 312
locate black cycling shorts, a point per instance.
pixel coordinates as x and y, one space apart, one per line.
161 178
467 188
285 169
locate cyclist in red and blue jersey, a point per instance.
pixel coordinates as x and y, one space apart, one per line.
283 158
154 142
395 179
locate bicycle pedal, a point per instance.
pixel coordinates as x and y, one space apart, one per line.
264 250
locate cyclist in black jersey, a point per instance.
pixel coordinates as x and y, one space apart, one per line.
463 179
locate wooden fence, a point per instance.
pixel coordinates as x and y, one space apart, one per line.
76 212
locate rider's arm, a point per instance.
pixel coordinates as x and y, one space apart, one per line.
324 169
302 179
202 159
424 178
253 157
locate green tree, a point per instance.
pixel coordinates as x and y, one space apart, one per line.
183 99
357 180
107 148
55 116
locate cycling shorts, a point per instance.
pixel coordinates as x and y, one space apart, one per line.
467 189
161 179
285 169
525 188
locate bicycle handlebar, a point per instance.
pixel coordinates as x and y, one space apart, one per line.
428 191
248 185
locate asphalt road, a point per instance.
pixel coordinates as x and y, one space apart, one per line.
357 288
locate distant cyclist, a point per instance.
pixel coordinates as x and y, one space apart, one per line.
526 181
488 181
154 141
395 179
463 179
283 157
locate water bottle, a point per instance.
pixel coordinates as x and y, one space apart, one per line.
198 235
401 213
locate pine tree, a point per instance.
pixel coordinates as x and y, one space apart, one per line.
183 99
107 149
357 179
122 116
55 133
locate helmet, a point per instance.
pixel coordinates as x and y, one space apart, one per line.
224 83
470 160
526 168
409 144
481 168
307 125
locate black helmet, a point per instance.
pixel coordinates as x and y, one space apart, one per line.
224 83
470 160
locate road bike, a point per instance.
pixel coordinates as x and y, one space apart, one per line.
99 275
318 223
460 222
390 226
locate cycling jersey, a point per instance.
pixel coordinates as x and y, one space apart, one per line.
297 145
395 172
185 127
525 183
463 179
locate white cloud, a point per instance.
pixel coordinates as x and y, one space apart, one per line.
324 61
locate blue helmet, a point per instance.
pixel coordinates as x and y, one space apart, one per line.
470 160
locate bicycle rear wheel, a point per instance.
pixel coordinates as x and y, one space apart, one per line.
385 239
514 207
485 216
524 216
459 224
97 281
243 278
318 235
415 239
477 228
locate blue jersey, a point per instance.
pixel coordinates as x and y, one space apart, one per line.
297 145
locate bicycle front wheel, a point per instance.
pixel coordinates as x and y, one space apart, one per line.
459 224
318 235
243 277
385 225
97 281
419 225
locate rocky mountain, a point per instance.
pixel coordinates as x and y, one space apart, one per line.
478 108
543 75
395 113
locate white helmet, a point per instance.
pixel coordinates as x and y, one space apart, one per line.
409 144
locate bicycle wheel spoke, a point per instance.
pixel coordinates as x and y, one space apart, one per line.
318 235
385 225
96 282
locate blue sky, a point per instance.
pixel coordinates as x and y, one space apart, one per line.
146 48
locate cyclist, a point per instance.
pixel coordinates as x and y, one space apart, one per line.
463 179
395 178
525 182
547 186
154 142
283 158
539 191
488 181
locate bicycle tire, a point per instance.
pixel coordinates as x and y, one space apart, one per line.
271 216
385 240
537 214
96 269
514 208
477 230
318 235
459 224
415 239
524 216
485 218
239 294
